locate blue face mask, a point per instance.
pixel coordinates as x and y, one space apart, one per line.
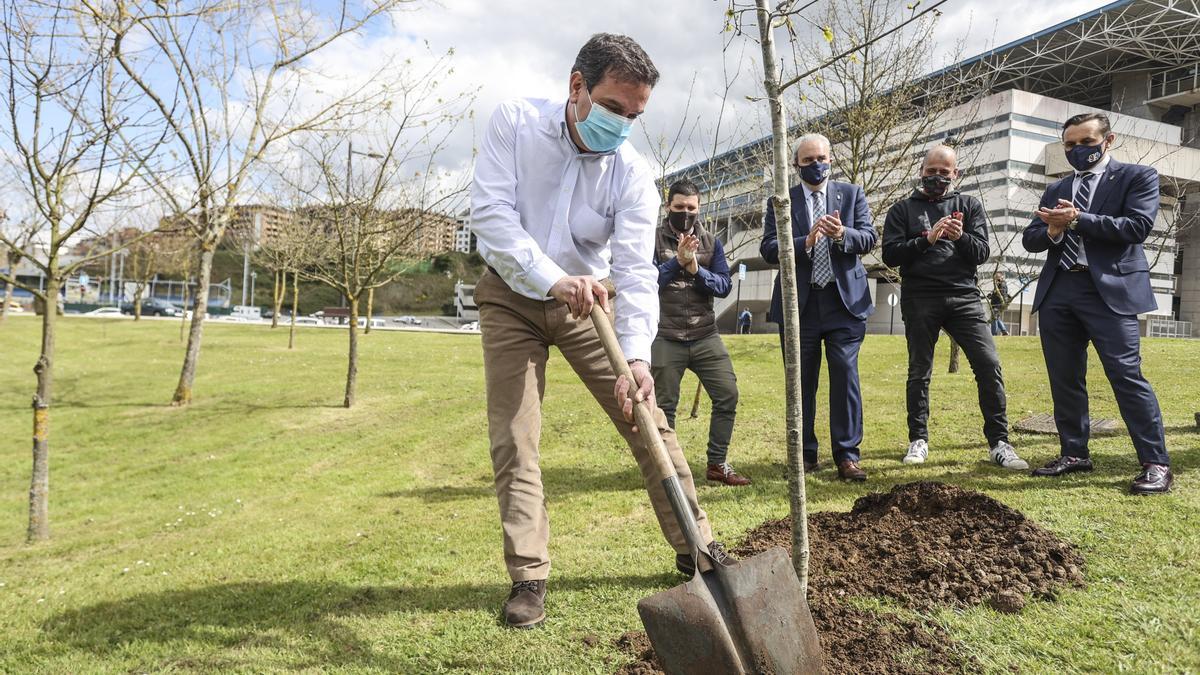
815 173
1084 157
603 130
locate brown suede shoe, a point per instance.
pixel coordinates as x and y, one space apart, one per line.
848 470
525 607
724 473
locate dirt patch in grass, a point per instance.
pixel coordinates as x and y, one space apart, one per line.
922 545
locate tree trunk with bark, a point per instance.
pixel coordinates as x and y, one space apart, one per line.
39 488
352 366
8 291
370 309
137 303
954 352
797 497
278 292
187 375
295 307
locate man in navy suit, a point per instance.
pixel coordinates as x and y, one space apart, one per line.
1095 282
831 225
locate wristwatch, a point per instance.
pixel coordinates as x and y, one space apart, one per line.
633 361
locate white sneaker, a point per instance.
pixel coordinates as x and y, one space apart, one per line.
1006 456
918 450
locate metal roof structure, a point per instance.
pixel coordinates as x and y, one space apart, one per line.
1076 59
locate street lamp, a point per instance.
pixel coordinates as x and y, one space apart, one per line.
253 276
350 153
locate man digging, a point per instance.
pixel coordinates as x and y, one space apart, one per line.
557 194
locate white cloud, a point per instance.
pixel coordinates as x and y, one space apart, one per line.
526 48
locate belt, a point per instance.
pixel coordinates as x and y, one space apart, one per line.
821 287
1077 268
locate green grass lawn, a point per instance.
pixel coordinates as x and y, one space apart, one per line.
264 528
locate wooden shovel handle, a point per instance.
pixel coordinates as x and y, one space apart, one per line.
643 416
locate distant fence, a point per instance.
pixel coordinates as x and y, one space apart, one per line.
1168 328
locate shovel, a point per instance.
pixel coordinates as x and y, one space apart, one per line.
747 617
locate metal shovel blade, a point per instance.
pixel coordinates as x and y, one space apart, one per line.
750 617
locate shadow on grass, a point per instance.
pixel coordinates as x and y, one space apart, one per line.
555 481
301 618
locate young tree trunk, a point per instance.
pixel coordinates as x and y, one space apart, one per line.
352 366
954 351
39 488
295 307
183 319
187 375
370 309
791 315
8 291
137 303
278 291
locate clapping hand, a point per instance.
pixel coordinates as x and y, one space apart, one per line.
686 252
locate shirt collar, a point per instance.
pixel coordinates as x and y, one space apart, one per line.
555 124
1100 166
809 190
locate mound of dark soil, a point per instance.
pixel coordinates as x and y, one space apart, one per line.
924 545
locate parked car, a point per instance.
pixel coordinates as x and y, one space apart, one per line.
152 307
410 320
375 323
308 321
104 311
474 325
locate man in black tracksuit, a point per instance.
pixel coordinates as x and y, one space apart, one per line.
938 237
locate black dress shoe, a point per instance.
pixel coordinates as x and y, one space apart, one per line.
812 467
1065 464
1154 479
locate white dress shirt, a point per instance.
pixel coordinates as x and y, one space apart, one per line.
1098 170
542 210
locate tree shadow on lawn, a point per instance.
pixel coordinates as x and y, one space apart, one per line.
1112 470
300 617
556 480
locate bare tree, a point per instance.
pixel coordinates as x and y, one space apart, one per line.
75 136
228 80
359 226
784 16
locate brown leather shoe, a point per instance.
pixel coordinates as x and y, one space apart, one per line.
812 467
848 470
724 473
526 604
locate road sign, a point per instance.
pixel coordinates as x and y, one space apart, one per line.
741 271
893 299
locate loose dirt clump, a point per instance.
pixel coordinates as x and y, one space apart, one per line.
923 545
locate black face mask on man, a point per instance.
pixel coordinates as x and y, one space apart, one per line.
681 221
935 186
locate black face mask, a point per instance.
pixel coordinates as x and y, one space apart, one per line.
681 221
935 186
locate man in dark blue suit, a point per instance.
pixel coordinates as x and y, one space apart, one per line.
1095 282
831 225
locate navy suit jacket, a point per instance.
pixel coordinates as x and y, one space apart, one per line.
1120 217
848 271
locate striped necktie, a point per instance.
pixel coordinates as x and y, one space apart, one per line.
1071 240
822 270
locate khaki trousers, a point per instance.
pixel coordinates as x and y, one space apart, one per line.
517 334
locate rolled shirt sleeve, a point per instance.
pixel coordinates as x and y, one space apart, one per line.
633 271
